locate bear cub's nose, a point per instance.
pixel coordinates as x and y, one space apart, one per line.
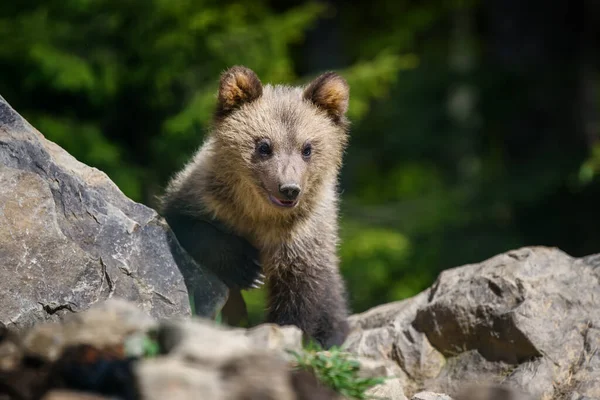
290 191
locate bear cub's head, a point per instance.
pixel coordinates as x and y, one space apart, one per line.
282 144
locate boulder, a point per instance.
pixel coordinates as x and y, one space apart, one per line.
70 238
528 319
114 349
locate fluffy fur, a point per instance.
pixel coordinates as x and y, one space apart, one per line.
232 191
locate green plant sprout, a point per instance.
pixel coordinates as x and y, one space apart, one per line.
335 368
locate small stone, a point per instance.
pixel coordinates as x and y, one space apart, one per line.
164 378
274 337
199 341
430 396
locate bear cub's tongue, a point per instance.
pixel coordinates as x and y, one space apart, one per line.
283 203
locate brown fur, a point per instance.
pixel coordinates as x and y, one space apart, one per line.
231 181
238 85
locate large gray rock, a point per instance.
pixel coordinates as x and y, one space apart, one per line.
71 238
527 319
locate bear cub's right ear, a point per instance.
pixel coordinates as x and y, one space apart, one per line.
238 85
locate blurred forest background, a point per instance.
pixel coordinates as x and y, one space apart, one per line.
475 124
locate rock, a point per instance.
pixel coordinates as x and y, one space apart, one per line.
528 318
395 378
71 395
577 396
385 334
491 392
225 364
430 396
257 375
70 238
110 323
170 379
252 374
274 337
308 387
87 354
200 341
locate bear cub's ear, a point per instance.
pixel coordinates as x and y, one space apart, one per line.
330 92
238 85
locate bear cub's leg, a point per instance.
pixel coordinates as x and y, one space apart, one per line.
319 308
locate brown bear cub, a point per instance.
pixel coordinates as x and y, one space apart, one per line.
262 191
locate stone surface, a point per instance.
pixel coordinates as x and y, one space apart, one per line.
89 354
71 238
519 326
106 324
273 337
430 396
395 378
528 319
71 395
493 392
171 379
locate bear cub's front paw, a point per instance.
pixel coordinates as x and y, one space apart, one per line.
243 269
250 276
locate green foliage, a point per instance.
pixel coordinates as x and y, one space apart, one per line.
374 260
192 303
143 344
151 347
336 369
591 167
256 303
372 79
219 318
129 87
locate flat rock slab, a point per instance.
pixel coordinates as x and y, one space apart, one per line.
70 238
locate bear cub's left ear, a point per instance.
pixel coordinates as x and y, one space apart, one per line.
331 93
238 85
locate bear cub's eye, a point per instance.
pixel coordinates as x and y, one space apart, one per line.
307 151
264 148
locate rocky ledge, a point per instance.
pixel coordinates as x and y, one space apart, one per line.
522 325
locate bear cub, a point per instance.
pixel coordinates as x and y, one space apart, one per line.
259 199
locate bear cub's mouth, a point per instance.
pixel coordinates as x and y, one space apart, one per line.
283 203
